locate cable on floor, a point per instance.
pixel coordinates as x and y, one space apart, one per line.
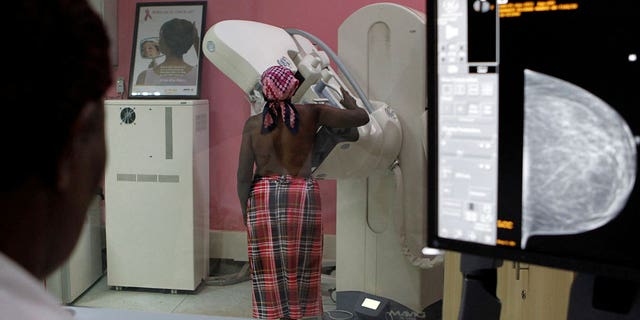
337 315
229 279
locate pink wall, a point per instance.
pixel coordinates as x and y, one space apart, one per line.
228 107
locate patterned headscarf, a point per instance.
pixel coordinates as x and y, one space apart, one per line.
278 86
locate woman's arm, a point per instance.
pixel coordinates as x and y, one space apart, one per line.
245 168
352 116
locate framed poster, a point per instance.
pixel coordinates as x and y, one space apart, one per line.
166 51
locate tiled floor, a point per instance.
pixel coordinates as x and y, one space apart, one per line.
225 301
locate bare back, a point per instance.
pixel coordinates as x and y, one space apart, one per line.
281 152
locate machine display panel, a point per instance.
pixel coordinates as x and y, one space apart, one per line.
533 131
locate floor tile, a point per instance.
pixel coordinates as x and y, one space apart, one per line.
224 301
100 295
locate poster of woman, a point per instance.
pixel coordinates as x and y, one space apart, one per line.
166 50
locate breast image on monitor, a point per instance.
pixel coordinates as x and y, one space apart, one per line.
577 148
533 131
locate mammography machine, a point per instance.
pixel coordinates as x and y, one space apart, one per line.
380 167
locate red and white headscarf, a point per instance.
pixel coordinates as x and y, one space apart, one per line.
279 84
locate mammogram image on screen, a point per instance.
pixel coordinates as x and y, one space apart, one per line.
579 159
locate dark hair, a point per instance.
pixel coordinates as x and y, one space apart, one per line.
178 35
45 92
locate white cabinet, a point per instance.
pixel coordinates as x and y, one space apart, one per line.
85 265
157 193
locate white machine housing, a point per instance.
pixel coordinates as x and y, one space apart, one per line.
380 240
157 193
242 50
380 229
226 46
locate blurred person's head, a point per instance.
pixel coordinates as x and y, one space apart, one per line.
53 129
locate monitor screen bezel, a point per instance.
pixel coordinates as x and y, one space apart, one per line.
566 262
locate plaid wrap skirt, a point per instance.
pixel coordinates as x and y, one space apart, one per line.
285 247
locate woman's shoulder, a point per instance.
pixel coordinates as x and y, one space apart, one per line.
253 122
309 107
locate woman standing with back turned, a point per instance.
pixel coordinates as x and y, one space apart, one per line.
281 201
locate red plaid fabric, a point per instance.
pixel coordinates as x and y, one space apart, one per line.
285 247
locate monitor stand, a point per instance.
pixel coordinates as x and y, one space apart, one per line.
595 297
480 277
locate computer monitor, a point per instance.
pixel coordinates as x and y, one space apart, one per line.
533 125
